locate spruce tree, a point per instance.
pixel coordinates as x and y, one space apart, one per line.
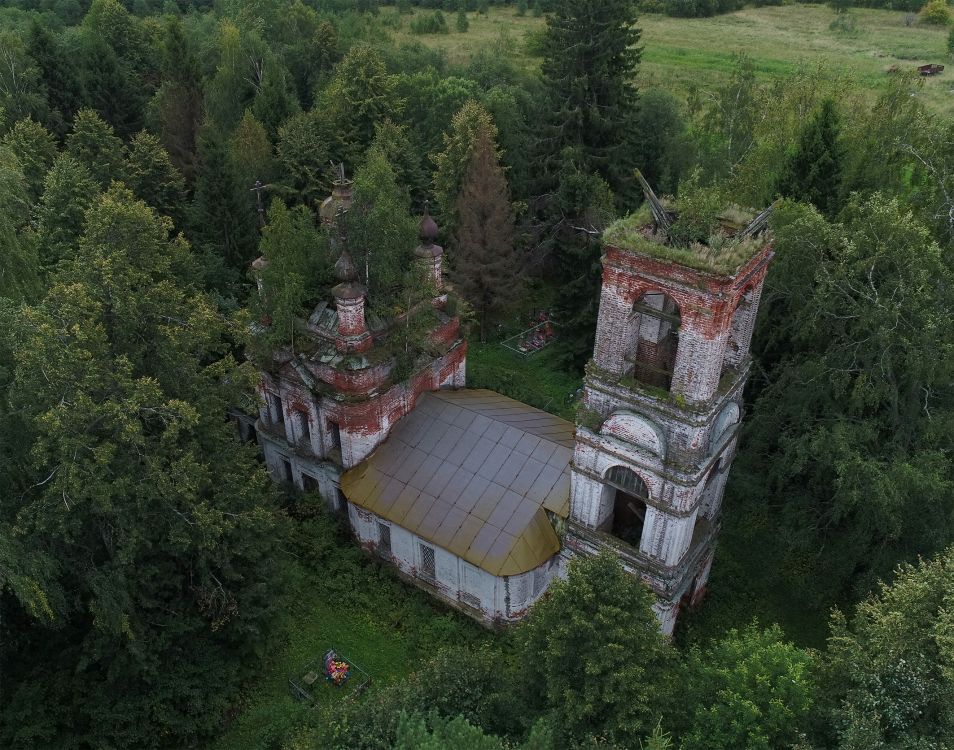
813 173
152 177
487 269
176 110
59 75
591 54
68 191
94 145
275 100
250 152
451 163
222 214
35 148
462 23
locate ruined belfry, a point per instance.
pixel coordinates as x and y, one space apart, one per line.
662 403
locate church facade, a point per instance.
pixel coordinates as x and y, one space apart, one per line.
482 500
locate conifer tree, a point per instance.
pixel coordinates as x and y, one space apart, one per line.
451 163
405 158
222 214
35 148
589 66
93 144
462 23
59 75
68 190
361 94
813 173
381 232
275 101
19 267
152 177
111 87
583 205
250 152
487 270
176 109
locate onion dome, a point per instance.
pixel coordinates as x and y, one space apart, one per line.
346 273
427 231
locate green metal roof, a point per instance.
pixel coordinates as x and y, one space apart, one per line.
472 472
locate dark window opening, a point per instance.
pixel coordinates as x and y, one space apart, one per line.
309 483
335 432
384 538
428 566
274 408
287 470
629 504
653 340
304 429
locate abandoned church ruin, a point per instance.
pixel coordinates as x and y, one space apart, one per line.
482 500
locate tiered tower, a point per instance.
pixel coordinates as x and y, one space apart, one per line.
662 404
326 405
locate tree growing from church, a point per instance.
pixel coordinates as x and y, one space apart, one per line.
488 269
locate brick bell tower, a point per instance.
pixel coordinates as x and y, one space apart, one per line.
662 401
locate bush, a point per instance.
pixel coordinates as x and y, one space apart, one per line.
433 23
936 13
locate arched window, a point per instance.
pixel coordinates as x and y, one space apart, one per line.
653 339
630 494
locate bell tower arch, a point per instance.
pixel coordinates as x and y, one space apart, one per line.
662 402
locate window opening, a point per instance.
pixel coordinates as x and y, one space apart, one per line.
629 504
287 470
428 567
384 538
304 429
309 483
274 408
654 338
335 432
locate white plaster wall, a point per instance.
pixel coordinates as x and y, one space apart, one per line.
453 574
667 537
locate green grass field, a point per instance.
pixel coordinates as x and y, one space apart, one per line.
679 53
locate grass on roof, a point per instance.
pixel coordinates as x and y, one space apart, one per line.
722 254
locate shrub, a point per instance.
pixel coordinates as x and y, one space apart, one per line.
936 12
433 23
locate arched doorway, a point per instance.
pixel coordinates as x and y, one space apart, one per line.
630 494
653 339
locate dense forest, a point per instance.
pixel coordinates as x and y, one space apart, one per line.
146 560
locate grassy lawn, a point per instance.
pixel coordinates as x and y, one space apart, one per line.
680 53
337 597
536 380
